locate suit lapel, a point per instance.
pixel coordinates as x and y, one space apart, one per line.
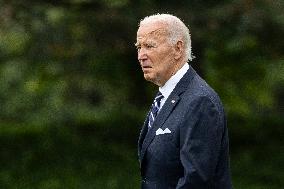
166 110
160 119
142 135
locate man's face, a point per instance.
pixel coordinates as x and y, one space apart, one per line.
155 54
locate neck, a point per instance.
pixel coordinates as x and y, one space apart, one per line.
176 67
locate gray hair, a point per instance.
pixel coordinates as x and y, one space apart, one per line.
176 28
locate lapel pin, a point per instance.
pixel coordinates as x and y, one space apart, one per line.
173 101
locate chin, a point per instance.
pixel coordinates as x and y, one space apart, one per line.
148 77
151 79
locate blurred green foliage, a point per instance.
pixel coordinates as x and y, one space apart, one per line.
73 96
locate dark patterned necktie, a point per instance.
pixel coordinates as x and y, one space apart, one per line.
155 109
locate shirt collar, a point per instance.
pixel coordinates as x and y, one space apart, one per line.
171 83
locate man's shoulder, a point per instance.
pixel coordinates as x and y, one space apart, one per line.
199 89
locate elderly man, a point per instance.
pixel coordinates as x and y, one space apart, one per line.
183 143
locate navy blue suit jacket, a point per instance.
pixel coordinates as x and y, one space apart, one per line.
195 154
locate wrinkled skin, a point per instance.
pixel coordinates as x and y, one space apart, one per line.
158 58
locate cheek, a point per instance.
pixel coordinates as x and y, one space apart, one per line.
166 59
160 59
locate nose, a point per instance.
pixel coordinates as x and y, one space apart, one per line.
142 55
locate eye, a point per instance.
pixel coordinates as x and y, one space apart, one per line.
138 47
149 46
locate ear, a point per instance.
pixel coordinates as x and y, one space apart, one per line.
179 48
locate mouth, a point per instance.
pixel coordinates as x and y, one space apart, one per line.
146 68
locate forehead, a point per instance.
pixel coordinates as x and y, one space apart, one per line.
151 30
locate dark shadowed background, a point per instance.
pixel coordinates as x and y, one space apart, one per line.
73 96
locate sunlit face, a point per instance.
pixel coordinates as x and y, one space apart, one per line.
155 53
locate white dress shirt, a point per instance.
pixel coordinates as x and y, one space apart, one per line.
169 86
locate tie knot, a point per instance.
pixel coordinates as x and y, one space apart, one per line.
159 96
158 99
